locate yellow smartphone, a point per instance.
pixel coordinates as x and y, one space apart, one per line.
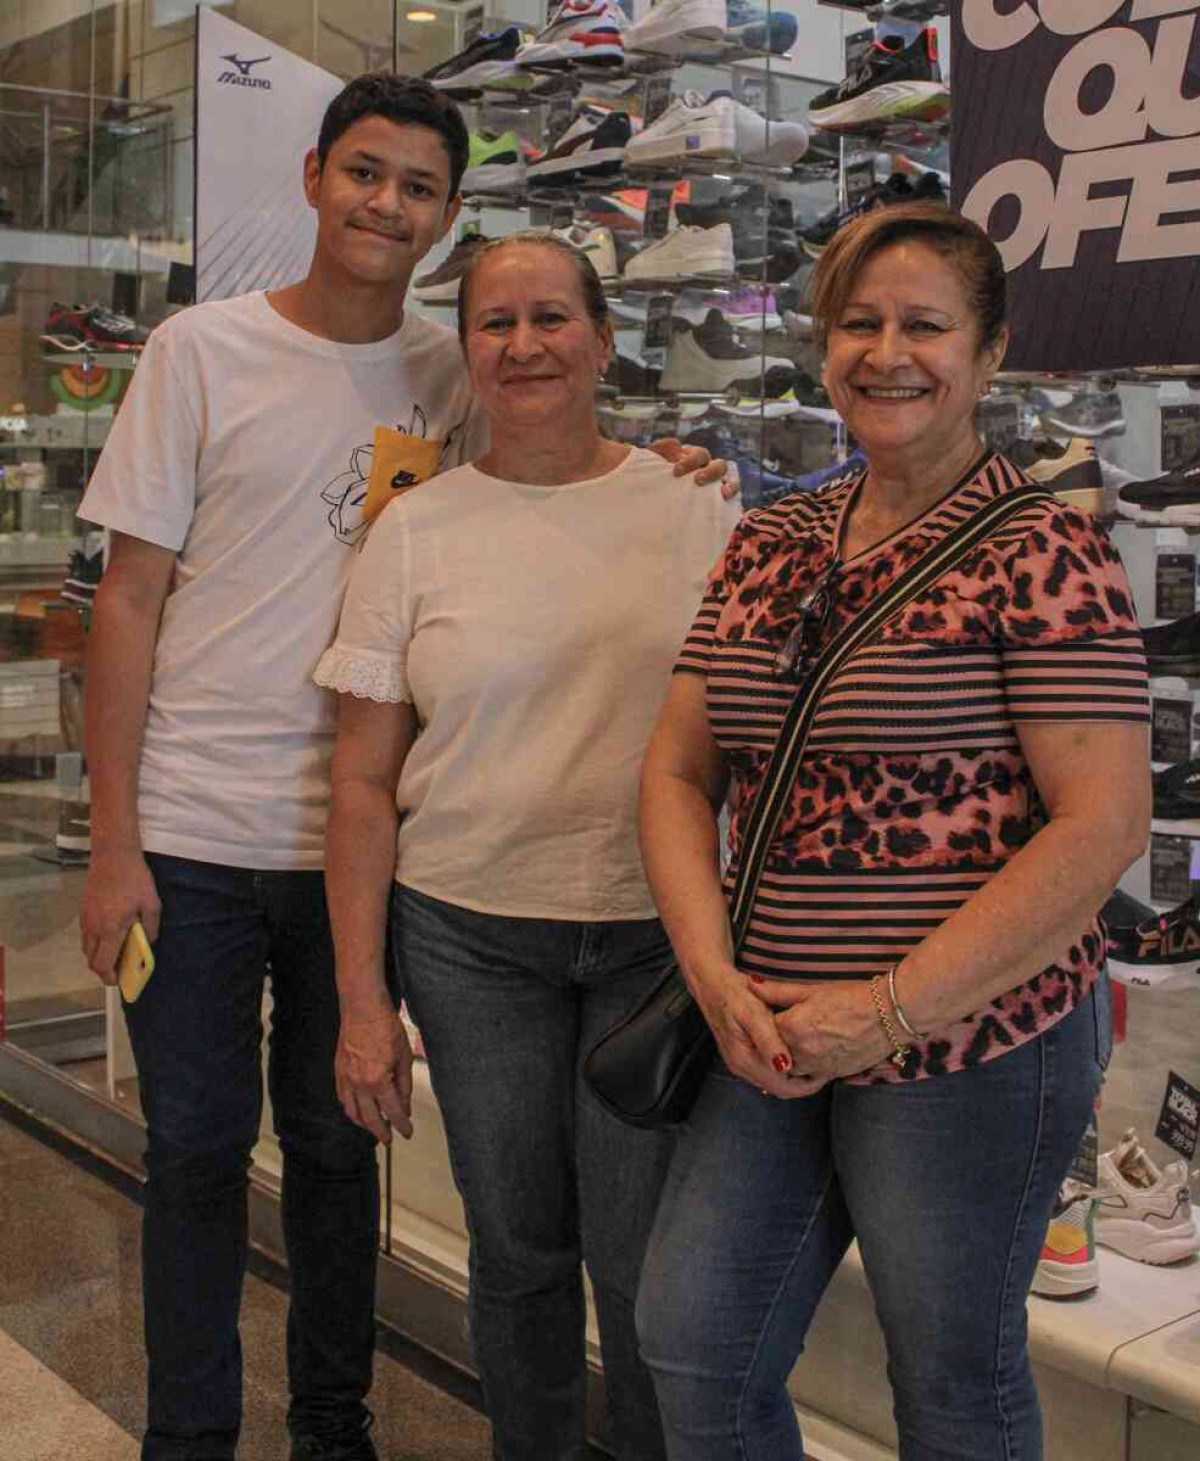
135 963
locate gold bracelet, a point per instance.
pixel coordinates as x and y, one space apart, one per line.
902 1018
902 1054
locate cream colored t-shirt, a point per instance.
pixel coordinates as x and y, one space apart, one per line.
534 629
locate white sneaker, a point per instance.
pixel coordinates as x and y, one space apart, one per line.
588 31
686 253
1068 1264
716 126
596 243
710 357
669 25
1142 1211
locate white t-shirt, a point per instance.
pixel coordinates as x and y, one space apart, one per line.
534 629
245 444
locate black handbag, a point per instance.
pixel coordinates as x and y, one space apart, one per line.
647 1069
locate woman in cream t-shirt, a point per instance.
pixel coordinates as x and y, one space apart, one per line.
504 649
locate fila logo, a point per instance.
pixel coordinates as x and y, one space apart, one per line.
1169 942
241 76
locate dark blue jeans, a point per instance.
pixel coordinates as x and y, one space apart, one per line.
196 1033
947 1184
506 1008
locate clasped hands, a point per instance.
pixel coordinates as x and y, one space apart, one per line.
789 1038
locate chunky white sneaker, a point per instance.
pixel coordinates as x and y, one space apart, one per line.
1068 1264
716 126
669 25
686 253
587 31
1142 1211
596 243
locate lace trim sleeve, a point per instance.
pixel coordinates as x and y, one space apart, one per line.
363 675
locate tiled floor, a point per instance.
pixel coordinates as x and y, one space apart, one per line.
72 1372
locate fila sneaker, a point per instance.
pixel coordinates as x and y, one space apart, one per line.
1160 949
716 126
669 25
1068 1265
892 83
1172 498
685 253
579 31
1142 1211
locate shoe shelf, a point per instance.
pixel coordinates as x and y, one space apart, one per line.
894 136
637 65
101 359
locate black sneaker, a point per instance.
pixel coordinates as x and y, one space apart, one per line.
1174 649
1180 488
108 330
892 83
1123 911
487 60
1162 948
593 145
356 1447
1177 798
926 187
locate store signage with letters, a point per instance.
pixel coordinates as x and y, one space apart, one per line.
1076 143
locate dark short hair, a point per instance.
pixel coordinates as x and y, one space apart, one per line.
589 281
402 99
959 240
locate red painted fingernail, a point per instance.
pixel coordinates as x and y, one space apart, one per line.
758 978
781 1063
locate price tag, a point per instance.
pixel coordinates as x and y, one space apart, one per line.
1174 586
657 217
860 179
999 421
558 117
1179 1120
657 340
1170 869
856 46
1180 438
1170 730
656 97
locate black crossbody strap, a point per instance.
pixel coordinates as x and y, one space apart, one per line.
773 794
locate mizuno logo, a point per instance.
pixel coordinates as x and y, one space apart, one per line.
240 76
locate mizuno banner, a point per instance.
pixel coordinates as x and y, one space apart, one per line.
1076 143
258 109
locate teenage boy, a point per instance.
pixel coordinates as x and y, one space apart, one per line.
232 484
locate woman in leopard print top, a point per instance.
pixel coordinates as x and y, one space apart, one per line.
975 781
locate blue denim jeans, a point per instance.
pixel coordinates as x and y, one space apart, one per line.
196 1033
947 1184
506 1008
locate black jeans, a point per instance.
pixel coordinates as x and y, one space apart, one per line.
196 1034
